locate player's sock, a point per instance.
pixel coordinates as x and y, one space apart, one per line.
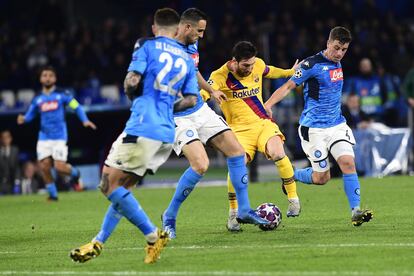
111 220
128 206
238 175
52 190
232 195
74 172
351 187
185 185
287 175
304 175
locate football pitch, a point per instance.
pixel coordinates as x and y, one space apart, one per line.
36 236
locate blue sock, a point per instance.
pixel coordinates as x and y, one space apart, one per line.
127 205
304 175
52 190
185 185
111 220
240 181
74 172
351 187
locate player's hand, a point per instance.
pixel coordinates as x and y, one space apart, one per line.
218 96
20 119
89 124
296 65
269 111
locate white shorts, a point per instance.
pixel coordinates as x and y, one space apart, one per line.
57 149
137 154
202 125
317 143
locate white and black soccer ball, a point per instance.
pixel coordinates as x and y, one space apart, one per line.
271 213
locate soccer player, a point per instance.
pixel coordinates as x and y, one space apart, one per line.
323 129
241 81
201 125
51 146
162 69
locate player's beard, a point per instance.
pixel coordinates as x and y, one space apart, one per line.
48 85
242 73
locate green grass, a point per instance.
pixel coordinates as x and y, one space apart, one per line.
321 241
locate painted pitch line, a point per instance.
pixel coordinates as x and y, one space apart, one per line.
196 247
275 246
215 273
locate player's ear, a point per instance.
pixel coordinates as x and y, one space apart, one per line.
154 29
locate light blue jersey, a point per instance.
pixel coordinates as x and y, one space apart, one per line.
51 108
166 69
192 50
323 90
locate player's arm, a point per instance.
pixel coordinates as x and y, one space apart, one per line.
217 95
80 112
302 73
272 72
136 68
29 115
131 82
278 95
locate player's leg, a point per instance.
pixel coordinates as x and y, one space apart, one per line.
342 151
44 155
198 159
46 165
125 164
315 148
186 142
60 154
276 153
228 144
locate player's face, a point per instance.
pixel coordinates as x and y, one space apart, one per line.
245 66
336 50
48 78
195 31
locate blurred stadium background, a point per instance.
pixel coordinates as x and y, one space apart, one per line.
90 44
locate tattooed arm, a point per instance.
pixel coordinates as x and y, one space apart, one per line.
131 82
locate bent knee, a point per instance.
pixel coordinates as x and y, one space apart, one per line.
200 167
277 156
321 179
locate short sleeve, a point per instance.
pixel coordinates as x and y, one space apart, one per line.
139 60
303 73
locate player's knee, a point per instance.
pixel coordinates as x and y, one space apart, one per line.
347 165
321 179
45 165
59 166
275 156
200 165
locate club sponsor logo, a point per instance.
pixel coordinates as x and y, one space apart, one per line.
246 93
336 75
49 106
196 59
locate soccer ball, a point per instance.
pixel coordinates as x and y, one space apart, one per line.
271 213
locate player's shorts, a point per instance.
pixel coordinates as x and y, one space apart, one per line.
137 154
203 125
254 137
317 143
57 149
